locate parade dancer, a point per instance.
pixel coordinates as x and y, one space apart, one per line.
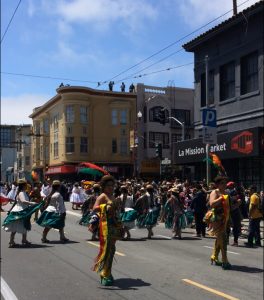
110 230
148 209
76 197
128 215
174 214
54 214
18 218
219 216
89 218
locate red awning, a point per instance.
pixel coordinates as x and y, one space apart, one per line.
66 169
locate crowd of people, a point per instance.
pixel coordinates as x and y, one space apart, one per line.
111 208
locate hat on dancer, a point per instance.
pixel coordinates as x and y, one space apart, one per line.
149 187
174 190
22 181
56 183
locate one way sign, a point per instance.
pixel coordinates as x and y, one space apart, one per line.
209 126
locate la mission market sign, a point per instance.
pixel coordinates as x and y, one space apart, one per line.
236 144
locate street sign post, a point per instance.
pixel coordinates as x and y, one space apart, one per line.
209 126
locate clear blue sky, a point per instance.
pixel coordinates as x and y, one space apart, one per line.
95 40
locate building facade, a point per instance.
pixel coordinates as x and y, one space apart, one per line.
177 103
235 90
80 124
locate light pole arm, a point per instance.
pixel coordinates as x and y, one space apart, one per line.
182 125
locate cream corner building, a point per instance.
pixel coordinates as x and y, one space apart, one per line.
81 124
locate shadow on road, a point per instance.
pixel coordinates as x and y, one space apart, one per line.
127 284
135 240
246 269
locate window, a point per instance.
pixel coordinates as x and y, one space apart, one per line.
69 114
114 117
210 88
46 153
175 137
145 140
114 146
159 137
84 114
84 145
84 130
123 131
249 73
56 144
56 149
123 117
46 126
27 160
227 81
69 129
154 114
123 146
183 115
56 122
69 144
7 137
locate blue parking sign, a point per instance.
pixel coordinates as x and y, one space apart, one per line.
209 117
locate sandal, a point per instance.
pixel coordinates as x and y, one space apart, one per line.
26 244
45 241
12 245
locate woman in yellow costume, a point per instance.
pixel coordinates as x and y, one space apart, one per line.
219 219
110 229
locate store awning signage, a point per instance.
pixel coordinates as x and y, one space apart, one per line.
66 169
243 143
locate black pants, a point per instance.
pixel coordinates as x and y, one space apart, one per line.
254 231
199 224
236 223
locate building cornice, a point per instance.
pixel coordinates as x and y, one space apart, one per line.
79 89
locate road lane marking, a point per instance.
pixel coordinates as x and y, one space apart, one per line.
227 251
73 213
6 291
216 292
97 245
163 236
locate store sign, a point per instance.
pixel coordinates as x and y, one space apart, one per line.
230 145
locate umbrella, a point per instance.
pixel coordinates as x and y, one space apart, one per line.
90 171
92 166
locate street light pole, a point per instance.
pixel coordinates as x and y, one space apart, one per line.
182 126
207 105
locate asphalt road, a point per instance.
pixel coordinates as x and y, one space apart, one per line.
160 268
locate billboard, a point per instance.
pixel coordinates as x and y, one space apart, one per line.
242 143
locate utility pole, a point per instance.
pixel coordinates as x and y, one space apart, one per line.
234 7
207 105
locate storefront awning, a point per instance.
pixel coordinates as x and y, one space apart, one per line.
66 169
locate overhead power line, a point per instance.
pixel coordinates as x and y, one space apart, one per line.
170 45
10 21
47 77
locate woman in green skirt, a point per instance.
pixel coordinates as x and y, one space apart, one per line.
54 214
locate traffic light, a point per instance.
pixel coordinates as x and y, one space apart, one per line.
158 150
162 116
